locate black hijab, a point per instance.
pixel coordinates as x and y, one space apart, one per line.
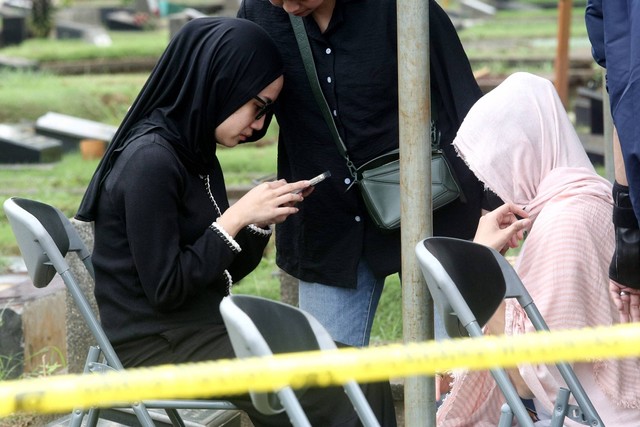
210 68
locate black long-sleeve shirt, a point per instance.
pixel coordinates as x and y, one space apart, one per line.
356 61
158 265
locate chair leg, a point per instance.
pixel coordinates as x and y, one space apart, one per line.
92 417
175 418
78 414
506 416
560 408
143 415
76 418
361 405
292 406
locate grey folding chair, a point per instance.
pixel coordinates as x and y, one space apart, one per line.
263 327
468 281
45 235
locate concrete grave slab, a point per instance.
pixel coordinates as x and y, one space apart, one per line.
71 130
20 144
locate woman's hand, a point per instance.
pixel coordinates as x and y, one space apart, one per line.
266 204
627 300
501 229
443 384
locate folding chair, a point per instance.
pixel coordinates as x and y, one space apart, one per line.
45 235
262 327
468 282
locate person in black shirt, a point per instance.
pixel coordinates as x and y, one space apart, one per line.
168 246
332 246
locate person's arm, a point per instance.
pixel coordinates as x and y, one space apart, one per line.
595 30
501 230
624 270
495 326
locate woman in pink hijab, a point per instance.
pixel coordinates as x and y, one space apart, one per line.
519 142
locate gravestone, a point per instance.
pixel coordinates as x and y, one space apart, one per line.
14 26
11 351
88 32
71 130
20 144
177 20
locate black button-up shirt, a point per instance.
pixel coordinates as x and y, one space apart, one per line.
356 62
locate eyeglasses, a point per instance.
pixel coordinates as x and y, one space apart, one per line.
265 107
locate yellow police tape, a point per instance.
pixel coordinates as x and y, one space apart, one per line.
58 394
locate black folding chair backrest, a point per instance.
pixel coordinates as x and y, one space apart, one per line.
270 321
39 265
477 277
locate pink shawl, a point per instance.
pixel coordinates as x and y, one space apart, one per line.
519 142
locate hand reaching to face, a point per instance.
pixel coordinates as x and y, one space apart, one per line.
627 300
267 203
443 384
501 229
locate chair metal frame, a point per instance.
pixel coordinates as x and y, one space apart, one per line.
45 236
262 327
468 282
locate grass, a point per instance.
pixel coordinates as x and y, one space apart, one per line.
104 98
148 44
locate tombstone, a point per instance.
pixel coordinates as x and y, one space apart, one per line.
477 9
11 351
76 30
20 144
177 20
14 26
79 337
123 20
71 130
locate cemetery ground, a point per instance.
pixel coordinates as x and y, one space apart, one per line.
512 40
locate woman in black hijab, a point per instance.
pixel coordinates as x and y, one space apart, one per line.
167 245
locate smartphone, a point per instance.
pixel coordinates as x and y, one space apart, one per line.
316 179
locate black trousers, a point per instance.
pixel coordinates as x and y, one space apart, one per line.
324 406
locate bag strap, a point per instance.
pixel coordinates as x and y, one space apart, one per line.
312 75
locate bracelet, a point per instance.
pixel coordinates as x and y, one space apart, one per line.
222 233
254 229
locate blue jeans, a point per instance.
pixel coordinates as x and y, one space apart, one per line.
346 313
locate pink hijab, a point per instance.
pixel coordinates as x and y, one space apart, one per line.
519 142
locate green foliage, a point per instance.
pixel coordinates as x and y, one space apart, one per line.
8 365
387 325
41 20
51 361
